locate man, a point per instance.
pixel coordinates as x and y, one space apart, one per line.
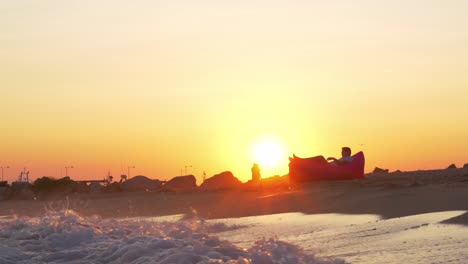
345 158
255 173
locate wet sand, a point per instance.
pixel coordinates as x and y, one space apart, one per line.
423 238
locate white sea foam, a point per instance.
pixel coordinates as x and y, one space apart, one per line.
66 237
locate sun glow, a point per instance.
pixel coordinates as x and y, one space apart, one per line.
268 152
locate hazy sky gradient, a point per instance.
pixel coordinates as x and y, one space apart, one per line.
163 84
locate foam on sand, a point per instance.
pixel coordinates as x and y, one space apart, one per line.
66 237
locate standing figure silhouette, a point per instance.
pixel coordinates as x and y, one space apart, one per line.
255 173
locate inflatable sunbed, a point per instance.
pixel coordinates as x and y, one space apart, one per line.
301 171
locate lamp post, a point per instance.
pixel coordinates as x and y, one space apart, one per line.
128 170
66 170
186 169
7 167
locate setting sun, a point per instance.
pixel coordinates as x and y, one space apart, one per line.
268 152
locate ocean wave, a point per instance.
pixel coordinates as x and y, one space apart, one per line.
67 237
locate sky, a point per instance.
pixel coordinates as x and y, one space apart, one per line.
161 85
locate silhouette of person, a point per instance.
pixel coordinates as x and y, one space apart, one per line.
345 158
255 173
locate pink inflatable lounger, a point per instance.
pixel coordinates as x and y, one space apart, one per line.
306 172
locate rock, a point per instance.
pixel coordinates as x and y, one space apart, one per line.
140 183
181 183
379 170
397 171
224 180
465 166
452 166
47 185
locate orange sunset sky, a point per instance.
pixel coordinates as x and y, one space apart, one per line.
102 85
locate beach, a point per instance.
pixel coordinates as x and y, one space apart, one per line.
415 217
388 195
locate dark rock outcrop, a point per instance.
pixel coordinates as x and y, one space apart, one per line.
452 166
181 183
47 185
140 183
465 166
379 170
222 181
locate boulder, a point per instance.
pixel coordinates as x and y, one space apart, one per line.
47 185
224 180
181 183
465 166
140 183
452 166
379 170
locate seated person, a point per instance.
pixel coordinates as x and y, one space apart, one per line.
345 158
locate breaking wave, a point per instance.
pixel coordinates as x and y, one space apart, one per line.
67 237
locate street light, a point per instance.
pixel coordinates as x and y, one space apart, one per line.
66 170
7 167
128 170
